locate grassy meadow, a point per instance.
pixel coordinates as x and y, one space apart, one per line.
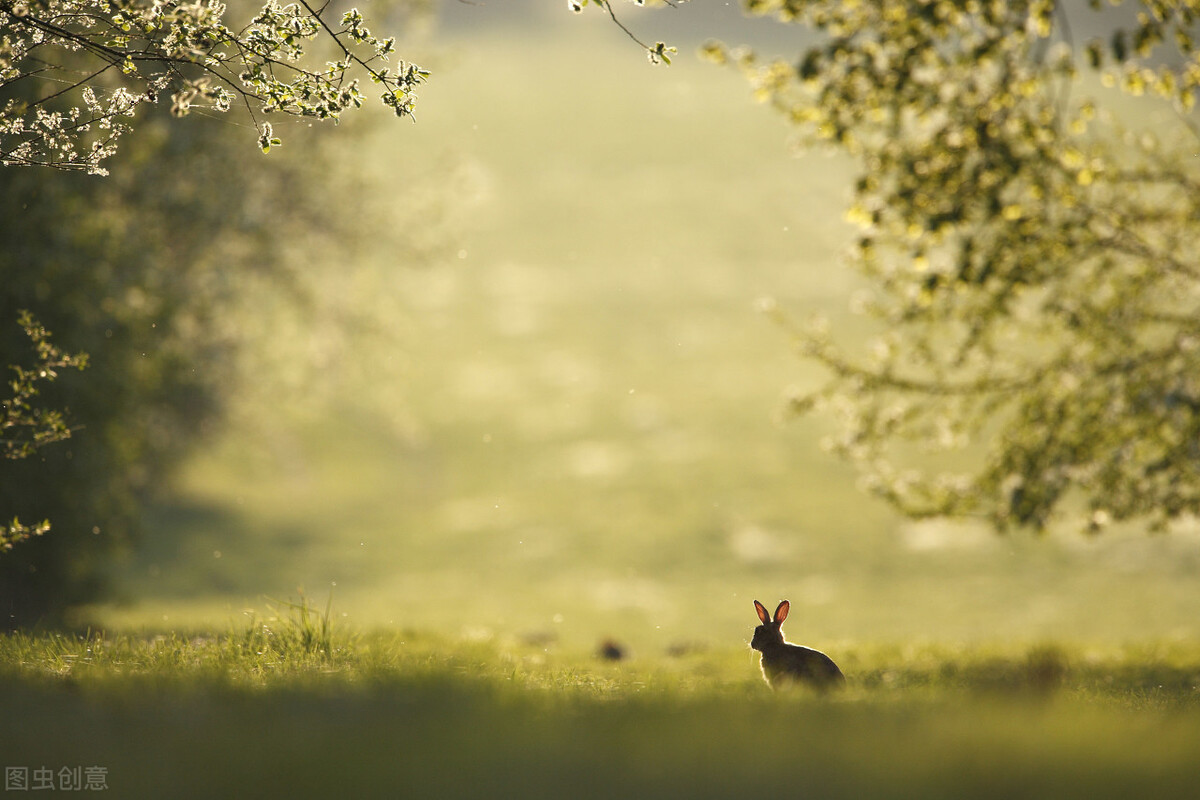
287 707
568 430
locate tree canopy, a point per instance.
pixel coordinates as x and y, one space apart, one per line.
1030 252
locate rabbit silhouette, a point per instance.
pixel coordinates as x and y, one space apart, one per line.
784 663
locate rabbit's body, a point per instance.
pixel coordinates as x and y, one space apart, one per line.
785 663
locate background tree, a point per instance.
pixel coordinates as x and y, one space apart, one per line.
131 270
165 273
1031 264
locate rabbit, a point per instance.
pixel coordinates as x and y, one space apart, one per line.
784 663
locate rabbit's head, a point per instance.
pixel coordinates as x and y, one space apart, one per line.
769 633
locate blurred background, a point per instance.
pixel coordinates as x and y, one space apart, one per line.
501 373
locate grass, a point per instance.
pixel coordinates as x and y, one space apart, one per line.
287 706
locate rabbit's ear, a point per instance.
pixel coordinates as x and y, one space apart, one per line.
762 612
782 611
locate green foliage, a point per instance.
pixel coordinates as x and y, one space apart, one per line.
1033 268
73 73
25 426
14 532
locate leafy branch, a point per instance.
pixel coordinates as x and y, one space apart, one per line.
74 72
658 53
24 426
